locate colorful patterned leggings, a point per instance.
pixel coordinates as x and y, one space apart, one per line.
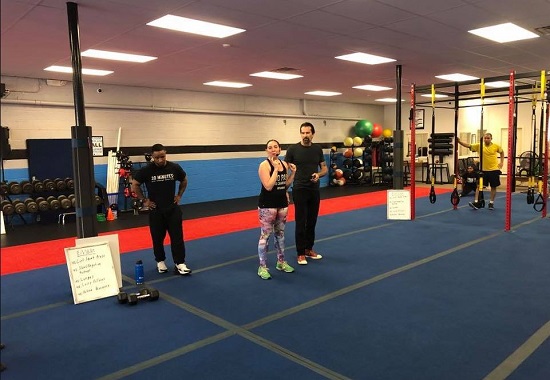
272 221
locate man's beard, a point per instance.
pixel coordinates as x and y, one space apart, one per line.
306 140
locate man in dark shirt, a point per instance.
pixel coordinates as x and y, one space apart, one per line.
310 167
160 177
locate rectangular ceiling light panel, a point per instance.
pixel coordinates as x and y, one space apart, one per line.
502 33
115 56
188 25
273 75
365 58
67 69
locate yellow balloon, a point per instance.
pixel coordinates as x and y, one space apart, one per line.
387 133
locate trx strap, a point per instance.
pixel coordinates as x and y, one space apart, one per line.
539 203
432 189
531 180
481 198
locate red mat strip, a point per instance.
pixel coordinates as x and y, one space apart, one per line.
45 254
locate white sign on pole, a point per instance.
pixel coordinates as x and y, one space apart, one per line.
399 205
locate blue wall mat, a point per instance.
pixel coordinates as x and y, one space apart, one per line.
209 180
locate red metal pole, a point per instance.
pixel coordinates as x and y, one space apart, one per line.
511 155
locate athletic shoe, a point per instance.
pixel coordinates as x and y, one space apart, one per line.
491 206
182 269
311 254
263 272
161 266
302 260
474 205
284 267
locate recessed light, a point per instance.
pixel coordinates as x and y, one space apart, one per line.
456 77
67 69
115 56
323 93
188 25
501 33
274 75
371 87
220 83
365 58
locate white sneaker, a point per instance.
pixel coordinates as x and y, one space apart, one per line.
182 269
161 266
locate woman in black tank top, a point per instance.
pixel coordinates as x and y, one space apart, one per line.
275 178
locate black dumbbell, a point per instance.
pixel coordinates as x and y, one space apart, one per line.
64 202
98 200
70 183
3 188
60 184
38 186
31 205
14 188
7 207
42 203
53 202
19 206
49 185
27 187
149 294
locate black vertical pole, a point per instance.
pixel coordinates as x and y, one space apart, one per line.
81 138
398 137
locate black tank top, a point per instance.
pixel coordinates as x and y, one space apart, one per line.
276 198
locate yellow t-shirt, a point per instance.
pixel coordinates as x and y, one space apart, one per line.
490 159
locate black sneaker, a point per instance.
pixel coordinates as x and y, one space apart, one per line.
491 206
474 205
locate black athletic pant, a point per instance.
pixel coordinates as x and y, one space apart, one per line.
161 221
306 206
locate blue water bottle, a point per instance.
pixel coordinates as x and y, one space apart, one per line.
139 272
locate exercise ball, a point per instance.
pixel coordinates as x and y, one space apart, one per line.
376 130
348 153
357 152
348 141
387 132
357 141
341 181
338 173
363 128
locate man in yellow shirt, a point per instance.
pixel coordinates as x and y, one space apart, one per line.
491 167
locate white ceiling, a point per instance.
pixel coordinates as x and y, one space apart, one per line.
426 37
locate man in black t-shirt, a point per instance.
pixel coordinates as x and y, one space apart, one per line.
310 167
160 177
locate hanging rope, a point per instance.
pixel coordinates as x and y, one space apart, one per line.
531 181
433 197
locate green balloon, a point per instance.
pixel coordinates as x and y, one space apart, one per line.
363 128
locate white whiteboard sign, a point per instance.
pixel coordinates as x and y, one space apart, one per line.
91 272
399 205
115 250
